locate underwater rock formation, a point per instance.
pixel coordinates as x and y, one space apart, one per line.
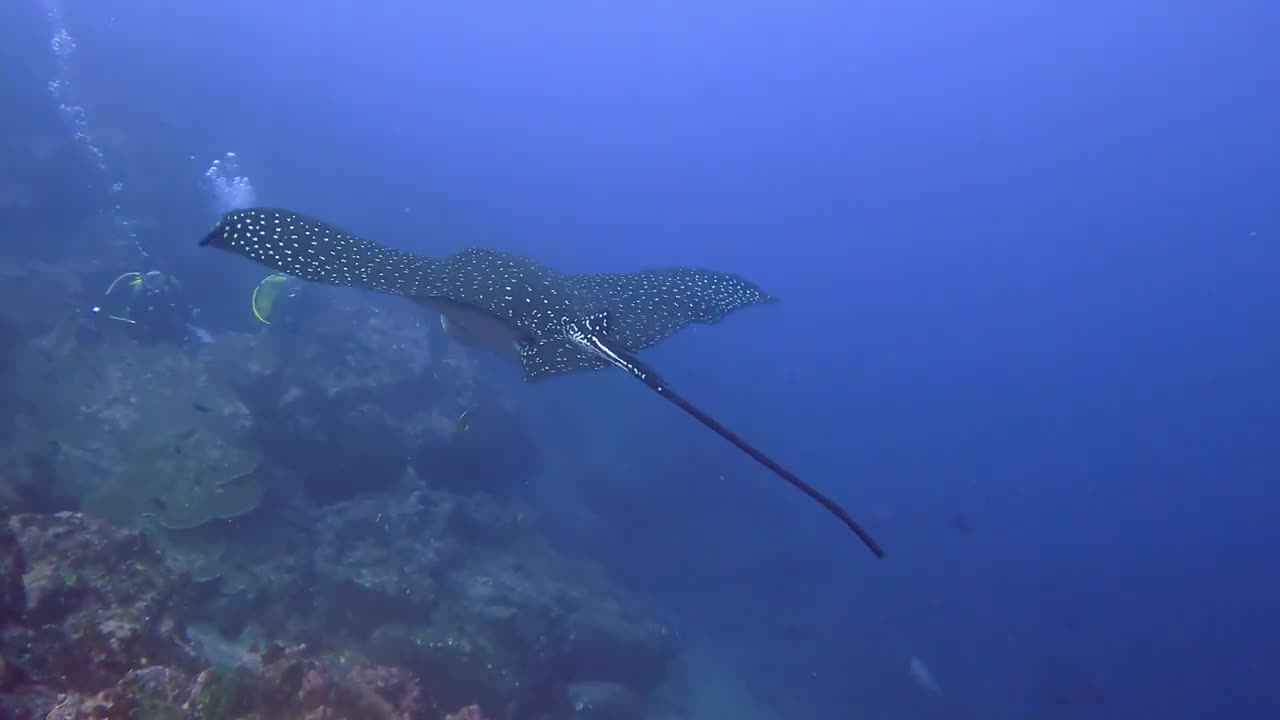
180 482
90 627
36 295
95 626
346 404
119 419
137 434
308 487
467 596
518 628
279 684
343 406
603 701
94 601
382 560
500 620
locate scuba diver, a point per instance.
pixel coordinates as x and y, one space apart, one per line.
153 306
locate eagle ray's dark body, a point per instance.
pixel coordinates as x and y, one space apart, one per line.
558 323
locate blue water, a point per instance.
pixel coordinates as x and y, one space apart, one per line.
1028 258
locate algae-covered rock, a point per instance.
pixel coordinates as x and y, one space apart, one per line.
369 391
196 553
96 599
181 482
379 560
36 295
89 411
12 568
280 684
603 701
454 668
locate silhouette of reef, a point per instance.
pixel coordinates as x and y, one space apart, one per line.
289 524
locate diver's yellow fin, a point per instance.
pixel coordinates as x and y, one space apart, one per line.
265 294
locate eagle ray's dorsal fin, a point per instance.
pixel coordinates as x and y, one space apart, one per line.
590 336
597 323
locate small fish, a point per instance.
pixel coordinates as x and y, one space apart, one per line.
204 336
160 504
200 406
923 676
463 423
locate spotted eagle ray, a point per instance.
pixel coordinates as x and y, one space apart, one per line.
550 322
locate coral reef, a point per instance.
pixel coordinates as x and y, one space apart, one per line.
92 629
281 684
181 481
95 602
94 616
469 599
134 422
331 403
291 524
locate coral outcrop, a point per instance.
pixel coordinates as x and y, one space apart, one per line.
91 626
141 428
280 684
292 524
367 392
96 601
469 616
469 599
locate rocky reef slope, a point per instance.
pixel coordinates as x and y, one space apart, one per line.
290 524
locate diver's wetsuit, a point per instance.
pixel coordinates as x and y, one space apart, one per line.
159 310
160 316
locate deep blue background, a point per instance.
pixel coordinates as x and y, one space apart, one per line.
1028 255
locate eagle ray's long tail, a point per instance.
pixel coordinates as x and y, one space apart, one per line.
804 487
658 385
